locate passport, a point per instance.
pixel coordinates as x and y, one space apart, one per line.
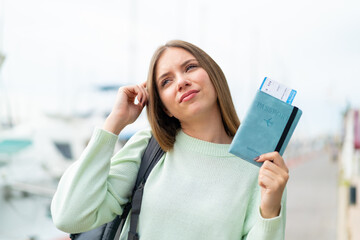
267 127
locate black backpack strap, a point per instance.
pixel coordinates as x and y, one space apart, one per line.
151 156
112 230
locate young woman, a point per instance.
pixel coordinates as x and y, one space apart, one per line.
197 190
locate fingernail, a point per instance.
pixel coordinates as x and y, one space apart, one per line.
257 158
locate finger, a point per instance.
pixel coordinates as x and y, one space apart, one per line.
272 171
133 93
147 95
140 95
272 167
130 92
272 181
268 156
267 174
144 95
274 157
144 85
277 174
265 181
276 179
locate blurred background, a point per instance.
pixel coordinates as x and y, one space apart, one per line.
61 63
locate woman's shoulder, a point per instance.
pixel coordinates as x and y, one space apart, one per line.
135 146
145 133
142 137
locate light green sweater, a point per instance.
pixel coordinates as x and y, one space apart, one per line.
196 191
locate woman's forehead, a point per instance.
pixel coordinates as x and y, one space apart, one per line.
172 57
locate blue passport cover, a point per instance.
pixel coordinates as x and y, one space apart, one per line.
267 127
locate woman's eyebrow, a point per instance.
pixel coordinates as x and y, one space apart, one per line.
187 61
163 75
182 65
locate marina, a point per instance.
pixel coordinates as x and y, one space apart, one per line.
62 63
27 186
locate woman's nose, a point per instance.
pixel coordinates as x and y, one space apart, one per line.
183 82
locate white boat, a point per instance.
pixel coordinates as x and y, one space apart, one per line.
33 156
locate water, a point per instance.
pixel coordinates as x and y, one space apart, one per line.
27 217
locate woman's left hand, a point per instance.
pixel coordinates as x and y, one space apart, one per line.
273 177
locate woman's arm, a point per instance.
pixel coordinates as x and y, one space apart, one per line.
268 221
259 228
93 189
273 177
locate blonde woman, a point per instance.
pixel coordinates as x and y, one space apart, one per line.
197 190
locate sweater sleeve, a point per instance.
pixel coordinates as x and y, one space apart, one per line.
260 228
93 190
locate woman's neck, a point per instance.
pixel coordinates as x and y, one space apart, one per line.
210 129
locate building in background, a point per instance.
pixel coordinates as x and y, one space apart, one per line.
349 182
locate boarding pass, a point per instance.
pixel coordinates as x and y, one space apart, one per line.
278 90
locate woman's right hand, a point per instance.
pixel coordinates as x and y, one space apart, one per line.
125 111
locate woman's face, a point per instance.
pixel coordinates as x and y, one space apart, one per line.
185 88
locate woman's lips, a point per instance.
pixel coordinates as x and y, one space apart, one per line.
188 95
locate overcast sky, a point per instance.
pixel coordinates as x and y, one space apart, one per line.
56 50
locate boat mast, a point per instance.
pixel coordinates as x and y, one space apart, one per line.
2 56
8 123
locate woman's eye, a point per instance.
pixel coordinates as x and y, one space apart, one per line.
191 66
164 82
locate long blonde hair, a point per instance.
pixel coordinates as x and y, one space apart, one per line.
165 128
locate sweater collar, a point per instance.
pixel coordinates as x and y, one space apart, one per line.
188 143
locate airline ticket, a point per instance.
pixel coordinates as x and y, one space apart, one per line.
278 90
